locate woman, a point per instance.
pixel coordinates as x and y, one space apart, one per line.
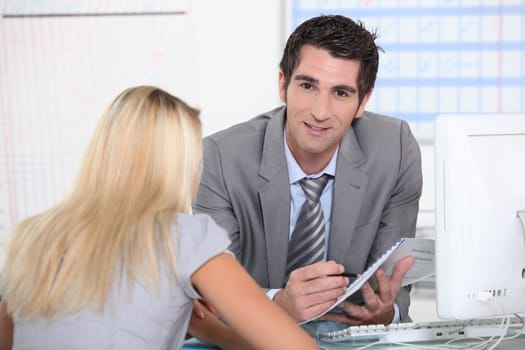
119 262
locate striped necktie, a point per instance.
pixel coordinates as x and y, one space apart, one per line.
307 244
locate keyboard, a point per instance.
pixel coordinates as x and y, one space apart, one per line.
425 331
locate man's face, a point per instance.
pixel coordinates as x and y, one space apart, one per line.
322 100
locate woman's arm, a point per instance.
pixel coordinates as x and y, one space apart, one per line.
243 306
6 328
209 328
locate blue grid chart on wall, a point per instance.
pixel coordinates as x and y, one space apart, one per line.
440 56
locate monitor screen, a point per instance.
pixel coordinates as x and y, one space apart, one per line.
480 208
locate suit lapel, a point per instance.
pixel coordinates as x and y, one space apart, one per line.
349 188
276 219
274 198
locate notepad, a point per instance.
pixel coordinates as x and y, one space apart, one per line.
421 249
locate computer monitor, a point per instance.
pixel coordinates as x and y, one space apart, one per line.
480 196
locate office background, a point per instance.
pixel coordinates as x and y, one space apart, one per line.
62 61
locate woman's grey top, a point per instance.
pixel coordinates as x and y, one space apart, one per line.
136 318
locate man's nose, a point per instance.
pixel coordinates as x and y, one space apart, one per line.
321 106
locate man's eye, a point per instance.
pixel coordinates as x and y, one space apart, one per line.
307 86
341 93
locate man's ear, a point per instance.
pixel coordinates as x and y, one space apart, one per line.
362 105
282 86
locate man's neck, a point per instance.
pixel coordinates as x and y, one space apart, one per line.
313 163
309 163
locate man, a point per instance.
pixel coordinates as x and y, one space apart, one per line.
251 181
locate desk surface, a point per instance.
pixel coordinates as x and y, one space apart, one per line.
510 344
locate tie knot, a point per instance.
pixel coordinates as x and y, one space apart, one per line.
314 187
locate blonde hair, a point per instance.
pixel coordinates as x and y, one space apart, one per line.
140 168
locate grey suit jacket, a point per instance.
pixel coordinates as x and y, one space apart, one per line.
245 188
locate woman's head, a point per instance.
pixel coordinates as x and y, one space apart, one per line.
139 169
145 154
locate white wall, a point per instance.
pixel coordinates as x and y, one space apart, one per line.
239 45
60 68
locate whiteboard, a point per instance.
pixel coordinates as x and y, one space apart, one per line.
62 62
441 56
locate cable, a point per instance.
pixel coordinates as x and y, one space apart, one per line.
521 215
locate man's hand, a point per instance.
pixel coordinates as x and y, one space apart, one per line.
378 306
311 289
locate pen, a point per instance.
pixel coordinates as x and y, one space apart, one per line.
349 275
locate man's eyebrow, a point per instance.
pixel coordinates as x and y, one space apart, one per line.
306 78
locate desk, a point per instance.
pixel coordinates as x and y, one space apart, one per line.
195 344
511 344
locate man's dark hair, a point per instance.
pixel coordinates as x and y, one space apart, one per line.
342 38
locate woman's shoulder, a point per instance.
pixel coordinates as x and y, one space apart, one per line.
200 228
197 238
201 222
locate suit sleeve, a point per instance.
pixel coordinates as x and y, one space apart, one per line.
400 213
212 196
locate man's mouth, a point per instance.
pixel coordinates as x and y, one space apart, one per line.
315 128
